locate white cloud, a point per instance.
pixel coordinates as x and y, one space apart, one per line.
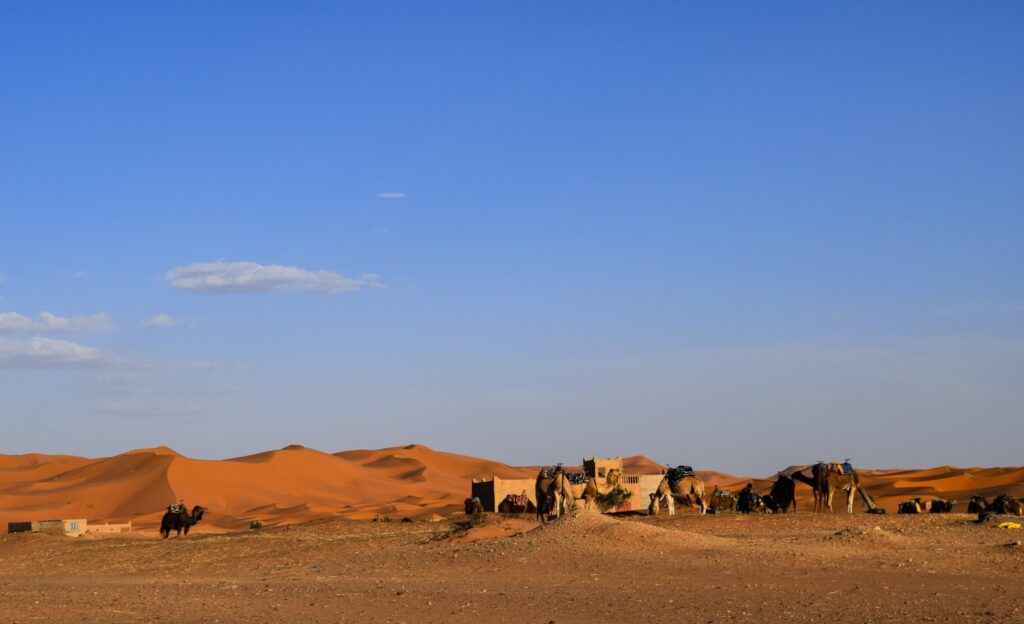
391 195
12 322
248 277
160 320
50 353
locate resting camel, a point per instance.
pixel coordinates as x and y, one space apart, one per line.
667 493
825 480
180 520
1007 505
977 504
722 500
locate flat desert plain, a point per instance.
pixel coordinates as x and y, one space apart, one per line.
318 558
585 568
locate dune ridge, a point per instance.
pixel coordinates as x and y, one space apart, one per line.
298 484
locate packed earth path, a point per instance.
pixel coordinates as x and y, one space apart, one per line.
583 568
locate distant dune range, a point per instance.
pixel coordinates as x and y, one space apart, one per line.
297 484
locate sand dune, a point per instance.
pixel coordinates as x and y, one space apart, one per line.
298 484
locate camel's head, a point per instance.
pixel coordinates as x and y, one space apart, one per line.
197 513
655 505
614 474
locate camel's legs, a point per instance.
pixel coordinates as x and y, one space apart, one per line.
671 505
828 499
849 498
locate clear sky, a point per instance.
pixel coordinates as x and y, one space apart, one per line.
733 235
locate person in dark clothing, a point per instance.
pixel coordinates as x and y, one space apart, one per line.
745 502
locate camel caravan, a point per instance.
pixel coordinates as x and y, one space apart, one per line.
603 484
557 490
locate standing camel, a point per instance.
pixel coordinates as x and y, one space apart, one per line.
179 520
671 488
550 490
825 480
784 493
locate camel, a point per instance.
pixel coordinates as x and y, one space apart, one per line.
1004 504
474 507
587 489
179 520
516 503
825 480
557 492
977 504
667 493
941 506
722 501
549 491
784 494
911 507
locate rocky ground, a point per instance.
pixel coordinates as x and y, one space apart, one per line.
590 568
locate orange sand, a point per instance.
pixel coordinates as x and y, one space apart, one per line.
296 484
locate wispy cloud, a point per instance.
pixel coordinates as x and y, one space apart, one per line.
250 277
12 323
50 353
391 195
159 320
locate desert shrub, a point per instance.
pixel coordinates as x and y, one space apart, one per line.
255 525
613 498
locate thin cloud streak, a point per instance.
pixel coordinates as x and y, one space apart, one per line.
250 277
45 322
159 320
50 353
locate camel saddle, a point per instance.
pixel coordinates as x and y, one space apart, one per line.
549 472
844 468
677 474
576 478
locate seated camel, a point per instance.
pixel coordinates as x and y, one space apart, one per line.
677 484
977 504
911 507
1004 504
722 501
941 506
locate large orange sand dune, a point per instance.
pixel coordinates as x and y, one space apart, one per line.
297 484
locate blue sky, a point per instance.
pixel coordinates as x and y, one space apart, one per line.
737 236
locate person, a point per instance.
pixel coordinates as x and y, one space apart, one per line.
746 499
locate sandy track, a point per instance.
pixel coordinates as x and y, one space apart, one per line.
799 568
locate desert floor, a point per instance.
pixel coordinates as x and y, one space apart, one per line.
587 568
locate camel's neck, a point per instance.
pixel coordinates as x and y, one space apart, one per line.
802 478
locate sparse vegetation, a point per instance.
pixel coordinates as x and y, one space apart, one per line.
613 498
